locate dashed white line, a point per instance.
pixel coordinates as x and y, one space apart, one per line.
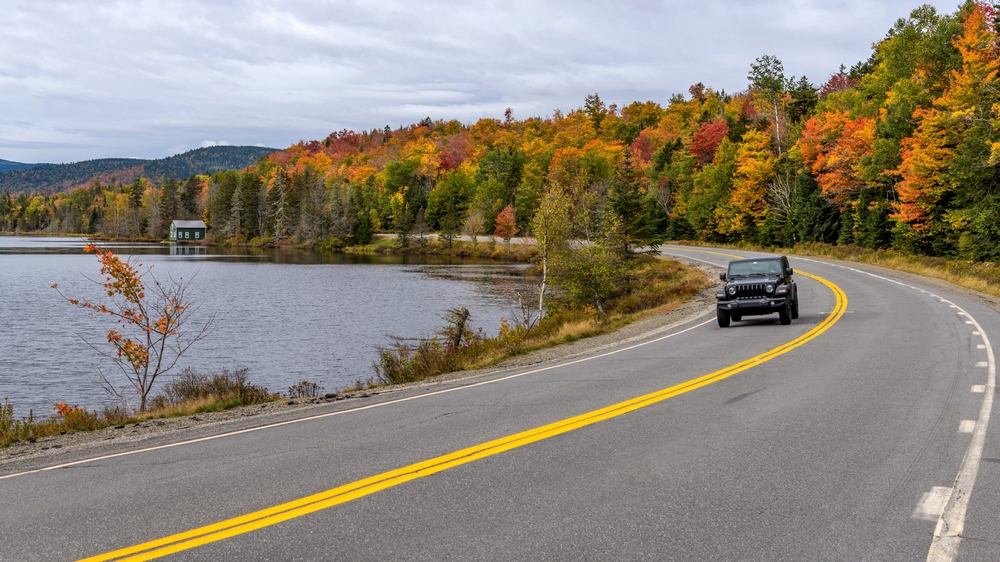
979 388
967 426
951 523
949 505
980 346
982 364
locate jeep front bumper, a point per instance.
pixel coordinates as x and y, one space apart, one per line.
749 306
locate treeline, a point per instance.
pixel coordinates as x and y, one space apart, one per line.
897 151
140 209
50 178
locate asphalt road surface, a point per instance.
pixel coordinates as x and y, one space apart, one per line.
862 431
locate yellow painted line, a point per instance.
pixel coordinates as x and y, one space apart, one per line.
348 492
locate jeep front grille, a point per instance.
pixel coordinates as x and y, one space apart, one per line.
755 291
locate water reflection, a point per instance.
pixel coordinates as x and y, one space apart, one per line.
188 250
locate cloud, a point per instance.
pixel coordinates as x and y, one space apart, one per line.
208 143
100 78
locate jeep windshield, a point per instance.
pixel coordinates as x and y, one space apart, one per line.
759 268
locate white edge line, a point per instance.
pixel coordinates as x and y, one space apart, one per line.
948 532
370 406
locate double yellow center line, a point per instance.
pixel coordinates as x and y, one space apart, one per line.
348 492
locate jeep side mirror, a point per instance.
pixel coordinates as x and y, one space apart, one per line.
722 276
788 272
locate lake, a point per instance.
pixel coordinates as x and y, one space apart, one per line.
288 315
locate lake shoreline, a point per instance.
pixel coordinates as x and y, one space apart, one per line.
154 431
286 315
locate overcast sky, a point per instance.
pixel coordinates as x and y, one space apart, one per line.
94 79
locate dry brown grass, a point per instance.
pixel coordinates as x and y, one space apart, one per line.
574 330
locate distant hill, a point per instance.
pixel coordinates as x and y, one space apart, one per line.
7 166
49 178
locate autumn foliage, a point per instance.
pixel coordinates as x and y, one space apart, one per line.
900 150
833 146
706 140
148 340
506 225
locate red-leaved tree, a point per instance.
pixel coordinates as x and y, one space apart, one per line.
706 140
506 225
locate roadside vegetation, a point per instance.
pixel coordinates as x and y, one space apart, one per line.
190 392
659 286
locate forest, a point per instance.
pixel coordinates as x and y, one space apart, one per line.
897 151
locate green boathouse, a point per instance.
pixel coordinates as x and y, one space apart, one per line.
187 231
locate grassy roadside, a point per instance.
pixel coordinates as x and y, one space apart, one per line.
977 276
662 285
188 394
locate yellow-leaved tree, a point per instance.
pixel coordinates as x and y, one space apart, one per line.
755 167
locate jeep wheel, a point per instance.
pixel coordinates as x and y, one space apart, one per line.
736 317
795 308
785 315
723 317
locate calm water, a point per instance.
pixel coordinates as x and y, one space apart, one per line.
287 315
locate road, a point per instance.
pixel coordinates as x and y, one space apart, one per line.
862 431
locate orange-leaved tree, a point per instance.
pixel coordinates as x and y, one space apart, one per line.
833 145
151 337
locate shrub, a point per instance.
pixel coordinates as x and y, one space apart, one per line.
229 387
305 389
330 244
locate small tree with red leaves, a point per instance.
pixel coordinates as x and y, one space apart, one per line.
151 337
506 225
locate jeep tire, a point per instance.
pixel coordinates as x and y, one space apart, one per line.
723 317
785 314
795 308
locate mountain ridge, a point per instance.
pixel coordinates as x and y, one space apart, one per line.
9 166
50 178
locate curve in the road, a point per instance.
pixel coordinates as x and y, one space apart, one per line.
947 535
342 494
948 532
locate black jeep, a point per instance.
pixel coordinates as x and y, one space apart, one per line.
755 287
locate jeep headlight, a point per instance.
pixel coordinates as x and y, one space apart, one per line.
769 289
731 290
